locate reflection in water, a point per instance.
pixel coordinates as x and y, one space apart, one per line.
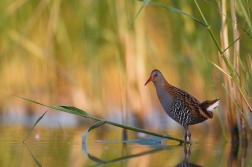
187 153
155 148
54 149
201 155
153 142
36 161
233 156
232 160
160 156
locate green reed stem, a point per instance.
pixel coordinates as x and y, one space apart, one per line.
136 129
228 64
220 50
76 111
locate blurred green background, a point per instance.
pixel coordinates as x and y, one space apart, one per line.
82 53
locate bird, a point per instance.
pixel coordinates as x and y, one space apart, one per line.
180 105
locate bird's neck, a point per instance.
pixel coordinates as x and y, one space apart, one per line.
164 93
159 84
164 86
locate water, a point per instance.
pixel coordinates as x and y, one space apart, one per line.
63 147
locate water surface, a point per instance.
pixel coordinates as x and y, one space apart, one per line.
63 147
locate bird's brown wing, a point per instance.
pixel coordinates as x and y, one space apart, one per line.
190 102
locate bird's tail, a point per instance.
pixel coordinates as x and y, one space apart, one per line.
208 106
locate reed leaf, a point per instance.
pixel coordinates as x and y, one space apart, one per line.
145 3
68 109
96 125
79 112
71 109
221 69
175 10
34 126
245 33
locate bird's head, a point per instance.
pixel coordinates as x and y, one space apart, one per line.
155 76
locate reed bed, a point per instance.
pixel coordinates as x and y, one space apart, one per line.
96 55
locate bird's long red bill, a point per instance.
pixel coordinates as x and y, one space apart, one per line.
150 79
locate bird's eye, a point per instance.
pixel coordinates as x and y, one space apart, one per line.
155 75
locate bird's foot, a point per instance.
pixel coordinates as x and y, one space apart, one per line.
187 138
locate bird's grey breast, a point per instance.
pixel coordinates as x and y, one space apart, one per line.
165 98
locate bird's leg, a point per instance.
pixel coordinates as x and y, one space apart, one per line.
187 135
185 138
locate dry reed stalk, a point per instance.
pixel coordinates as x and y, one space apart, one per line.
238 68
231 114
